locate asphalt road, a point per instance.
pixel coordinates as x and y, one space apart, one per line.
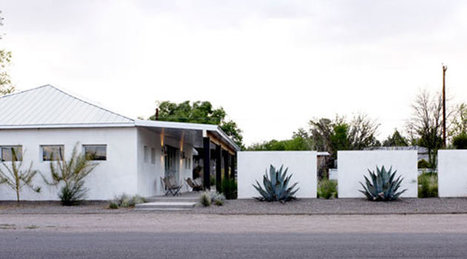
27 244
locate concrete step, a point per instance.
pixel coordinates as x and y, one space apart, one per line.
173 199
165 205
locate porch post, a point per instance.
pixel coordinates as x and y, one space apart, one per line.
218 167
206 163
233 164
226 164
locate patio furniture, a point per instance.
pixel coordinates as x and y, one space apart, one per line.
194 186
170 187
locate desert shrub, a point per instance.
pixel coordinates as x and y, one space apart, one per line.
113 205
126 201
327 189
428 185
15 176
72 174
423 164
383 186
276 186
229 188
208 198
205 199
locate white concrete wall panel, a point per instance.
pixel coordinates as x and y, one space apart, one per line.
118 174
452 173
353 166
253 164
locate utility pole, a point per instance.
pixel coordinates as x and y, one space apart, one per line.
444 105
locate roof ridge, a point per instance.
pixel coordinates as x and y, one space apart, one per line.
89 103
69 95
24 91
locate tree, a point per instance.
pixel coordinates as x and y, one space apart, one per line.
339 134
396 140
15 177
425 125
199 112
6 86
459 121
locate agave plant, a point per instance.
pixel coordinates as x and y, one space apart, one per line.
276 186
383 186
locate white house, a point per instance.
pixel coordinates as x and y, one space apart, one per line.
132 155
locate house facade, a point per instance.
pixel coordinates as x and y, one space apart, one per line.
131 155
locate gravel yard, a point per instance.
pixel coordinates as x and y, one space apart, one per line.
253 207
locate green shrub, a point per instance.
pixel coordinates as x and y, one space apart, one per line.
424 164
72 174
383 186
208 198
212 179
72 193
113 205
276 186
229 188
205 199
460 141
125 201
428 185
327 189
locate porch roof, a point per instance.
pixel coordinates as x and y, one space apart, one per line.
184 127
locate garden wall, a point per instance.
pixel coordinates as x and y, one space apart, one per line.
253 164
353 165
452 173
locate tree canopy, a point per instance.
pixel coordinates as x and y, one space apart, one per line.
6 86
199 112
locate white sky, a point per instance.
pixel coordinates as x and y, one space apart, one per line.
272 65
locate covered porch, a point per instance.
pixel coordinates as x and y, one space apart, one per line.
198 151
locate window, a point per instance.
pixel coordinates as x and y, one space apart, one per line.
146 154
52 152
153 156
95 152
8 151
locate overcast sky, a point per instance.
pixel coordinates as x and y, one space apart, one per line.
272 65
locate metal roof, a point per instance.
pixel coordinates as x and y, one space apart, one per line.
48 105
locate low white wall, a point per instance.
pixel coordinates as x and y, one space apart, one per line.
252 165
353 166
452 173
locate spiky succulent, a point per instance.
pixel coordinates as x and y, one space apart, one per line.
383 186
276 186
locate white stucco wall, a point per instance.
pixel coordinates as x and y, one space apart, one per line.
353 166
111 177
452 173
252 165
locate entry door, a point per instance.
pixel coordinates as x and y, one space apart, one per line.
171 169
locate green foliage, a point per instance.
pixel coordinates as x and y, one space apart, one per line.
340 134
15 177
208 198
428 185
113 205
296 143
424 164
383 186
460 141
5 81
212 180
327 189
396 140
229 188
199 112
205 199
126 201
72 174
72 193
276 186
